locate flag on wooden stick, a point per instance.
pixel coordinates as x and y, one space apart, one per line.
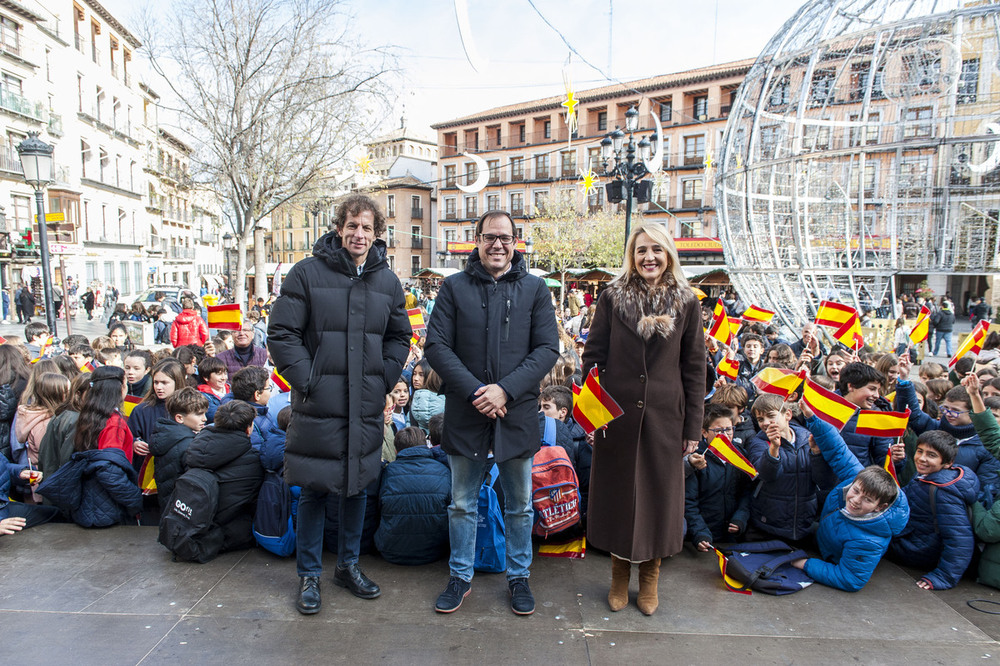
593 407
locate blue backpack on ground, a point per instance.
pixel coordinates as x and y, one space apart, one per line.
491 541
764 566
274 519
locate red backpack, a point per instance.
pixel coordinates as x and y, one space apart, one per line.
555 491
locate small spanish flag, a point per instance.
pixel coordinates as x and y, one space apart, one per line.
778 381
44 348
721 329
593 407
849 334
728 367
873 423
227 317
129 404
922 328
279 381
973 344
574 549
147 482
3 340
891 397
833 314
87 367
731 584
827 405
891 468
754 313
416 319
724 449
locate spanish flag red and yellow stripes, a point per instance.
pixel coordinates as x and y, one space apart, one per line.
874 423
574 549
849 333
889 467
416 319
827 405
279 381
721 329
755 313
593 407
227 317
723 447
973 344
147 480
43 348
922 328
833 314
731 584
129 404
728 367
88 367
3 340
778 381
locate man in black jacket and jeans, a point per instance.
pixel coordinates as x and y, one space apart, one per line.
943 322
491 338
339 335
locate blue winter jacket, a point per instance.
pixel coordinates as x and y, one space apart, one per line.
414 498
851 546
784 500
868 450
96 488
424 405
8 472
944 545
971 452
714 497
214 402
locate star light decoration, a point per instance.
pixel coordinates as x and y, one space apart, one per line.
365 165
570 103
661 185
589 181
708 163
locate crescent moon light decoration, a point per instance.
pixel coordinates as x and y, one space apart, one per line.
655 163
481 179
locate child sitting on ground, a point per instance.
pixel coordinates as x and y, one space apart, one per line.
938 535
860 517
252 385
215 383
414 498
186 417
427 399
716 494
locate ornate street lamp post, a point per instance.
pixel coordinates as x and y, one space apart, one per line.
36 161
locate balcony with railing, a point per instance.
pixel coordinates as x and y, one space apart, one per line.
114 69
517 210
416 213
10 162
55 124
96 55
180 252
17 103
80 44
450 215
417 243
128 79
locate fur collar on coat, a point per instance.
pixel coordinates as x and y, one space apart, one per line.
651 311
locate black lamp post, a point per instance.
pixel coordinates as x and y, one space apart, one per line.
227 245
529 249
627 171
36 161
4 247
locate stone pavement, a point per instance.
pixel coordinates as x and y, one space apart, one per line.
113 596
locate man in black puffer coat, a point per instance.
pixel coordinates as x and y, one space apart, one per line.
224 449
339 335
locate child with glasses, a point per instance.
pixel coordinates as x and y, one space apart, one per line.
716 494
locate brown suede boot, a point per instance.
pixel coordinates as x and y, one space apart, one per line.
649 579
621 572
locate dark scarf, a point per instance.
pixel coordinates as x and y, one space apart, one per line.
244 359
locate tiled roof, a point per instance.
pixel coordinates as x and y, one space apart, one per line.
724 70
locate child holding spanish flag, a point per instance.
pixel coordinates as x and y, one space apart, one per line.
860 517
985 522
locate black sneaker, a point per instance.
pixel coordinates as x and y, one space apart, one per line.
452 597
521 600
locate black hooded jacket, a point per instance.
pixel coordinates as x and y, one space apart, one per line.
340 340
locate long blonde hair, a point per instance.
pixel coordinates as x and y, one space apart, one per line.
657 232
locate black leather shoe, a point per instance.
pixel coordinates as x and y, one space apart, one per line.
309 601
356 581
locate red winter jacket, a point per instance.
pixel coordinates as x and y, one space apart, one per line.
188 328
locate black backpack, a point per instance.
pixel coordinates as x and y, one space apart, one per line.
187 527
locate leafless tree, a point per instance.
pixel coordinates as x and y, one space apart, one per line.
275 94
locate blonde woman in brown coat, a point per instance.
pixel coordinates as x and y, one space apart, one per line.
648 345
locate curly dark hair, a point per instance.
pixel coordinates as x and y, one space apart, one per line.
354 205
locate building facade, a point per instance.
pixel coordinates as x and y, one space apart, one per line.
532 159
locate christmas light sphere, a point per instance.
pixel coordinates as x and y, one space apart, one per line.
863 145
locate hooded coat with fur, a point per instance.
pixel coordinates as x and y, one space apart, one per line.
649 348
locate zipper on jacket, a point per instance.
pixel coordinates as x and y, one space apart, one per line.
506 322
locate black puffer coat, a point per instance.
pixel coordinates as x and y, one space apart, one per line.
229 455
9 397
486 331
340 339
170 442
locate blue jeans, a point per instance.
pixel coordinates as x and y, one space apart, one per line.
938 337
466 480
309 531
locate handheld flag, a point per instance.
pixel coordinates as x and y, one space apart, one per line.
973 344
849 334
778 381
873 423
3 340
731 584
279 381
147 481
88 367
129 404
574 548
724 449
721 329
891 468
43 348
833 314
728 367
754 313
416 319
227 317
699 293
827 405
922 328
593 407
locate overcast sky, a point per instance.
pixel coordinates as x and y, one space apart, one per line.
523 58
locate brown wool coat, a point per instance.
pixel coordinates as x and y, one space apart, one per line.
650 352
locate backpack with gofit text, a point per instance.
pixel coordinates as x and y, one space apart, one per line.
188 528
